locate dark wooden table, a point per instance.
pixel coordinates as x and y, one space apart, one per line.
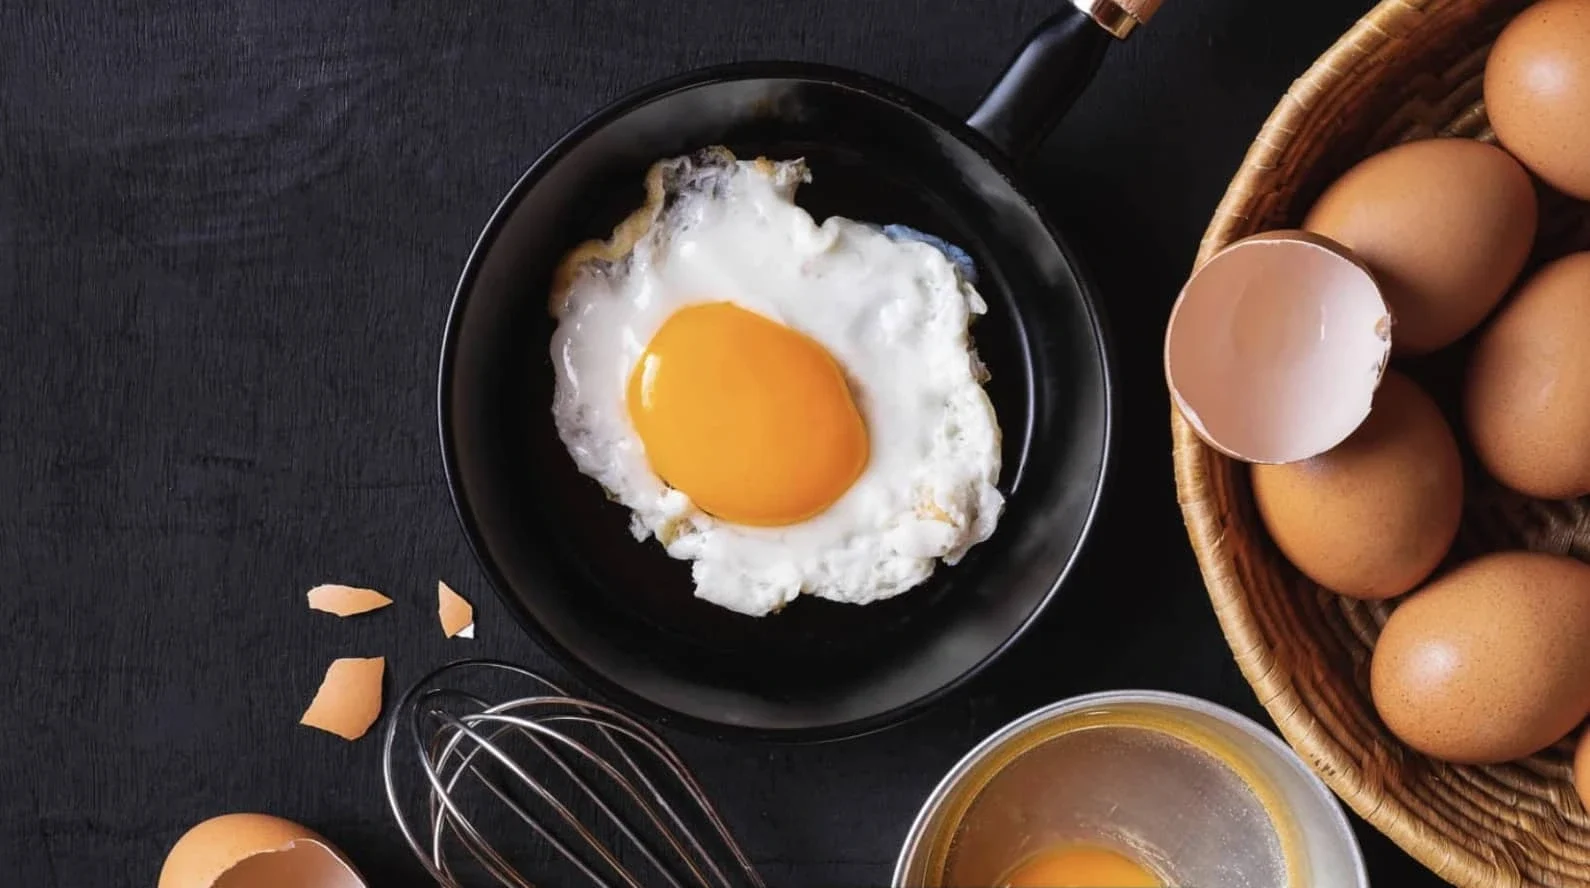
228 236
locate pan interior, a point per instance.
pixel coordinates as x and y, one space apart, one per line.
562 555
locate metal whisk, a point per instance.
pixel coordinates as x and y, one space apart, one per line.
596 788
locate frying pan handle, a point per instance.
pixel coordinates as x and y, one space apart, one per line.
1051 69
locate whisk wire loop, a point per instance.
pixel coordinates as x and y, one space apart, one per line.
543 757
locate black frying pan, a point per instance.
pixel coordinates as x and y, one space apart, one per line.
621 613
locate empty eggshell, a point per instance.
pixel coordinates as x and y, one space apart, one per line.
349 699
458 618
255 851
346 601
1276 346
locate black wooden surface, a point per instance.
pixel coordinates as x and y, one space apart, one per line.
228 236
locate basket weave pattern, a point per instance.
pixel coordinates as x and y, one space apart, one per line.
1409 69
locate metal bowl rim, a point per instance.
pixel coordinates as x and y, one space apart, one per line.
1264 740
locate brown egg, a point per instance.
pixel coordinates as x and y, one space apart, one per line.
1581 769
1445 225
1527 401
1537 92
1490 662
1374 516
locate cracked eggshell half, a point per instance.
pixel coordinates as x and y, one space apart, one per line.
255 851
1276 346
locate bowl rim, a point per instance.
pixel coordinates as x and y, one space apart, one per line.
1266 740
884 91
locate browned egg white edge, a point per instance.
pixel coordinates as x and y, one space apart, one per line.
638 224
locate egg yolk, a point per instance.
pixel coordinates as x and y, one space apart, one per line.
1079 866
750 419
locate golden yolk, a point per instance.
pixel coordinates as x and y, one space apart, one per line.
750 419
1079 866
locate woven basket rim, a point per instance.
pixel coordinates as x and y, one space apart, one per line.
1329 75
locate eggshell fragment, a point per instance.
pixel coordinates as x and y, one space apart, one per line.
458 618
255 851
1276 346
349 699
346 601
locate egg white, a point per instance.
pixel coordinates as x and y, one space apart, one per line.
893 313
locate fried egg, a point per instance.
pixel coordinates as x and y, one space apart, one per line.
794 408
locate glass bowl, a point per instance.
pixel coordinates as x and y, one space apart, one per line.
1191 791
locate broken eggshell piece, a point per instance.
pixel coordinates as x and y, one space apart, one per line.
458 618
346 601
255 851
349 699
1276 346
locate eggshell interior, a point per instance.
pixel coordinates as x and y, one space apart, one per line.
1276 346
349 699
255 851
305 863
346 601
458 618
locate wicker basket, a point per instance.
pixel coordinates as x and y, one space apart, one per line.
1410 69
